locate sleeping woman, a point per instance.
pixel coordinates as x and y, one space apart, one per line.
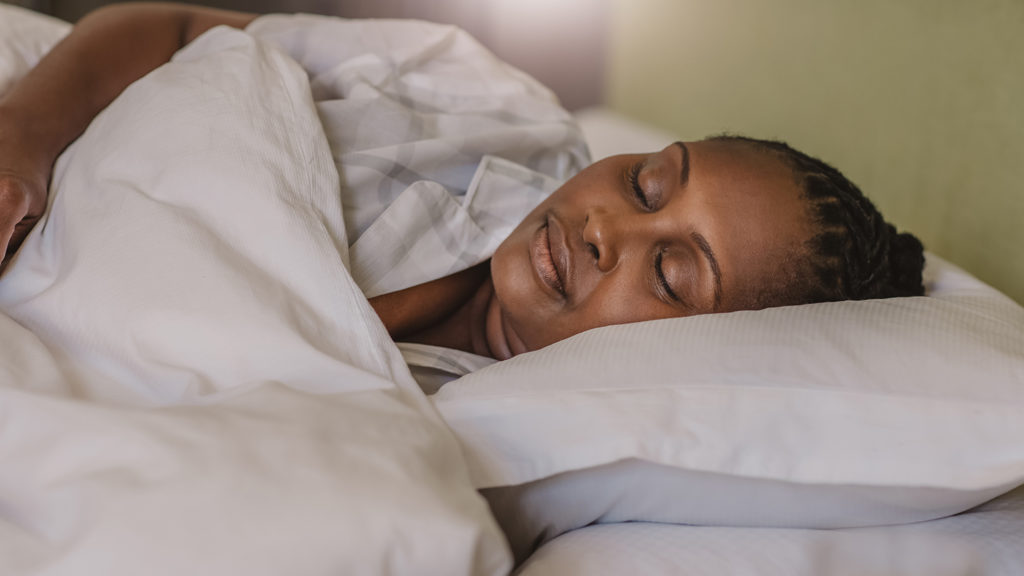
723 224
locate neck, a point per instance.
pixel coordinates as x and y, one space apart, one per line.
463 329
449 311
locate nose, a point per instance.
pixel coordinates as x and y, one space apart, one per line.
602 234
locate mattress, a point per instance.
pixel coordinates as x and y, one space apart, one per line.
985 541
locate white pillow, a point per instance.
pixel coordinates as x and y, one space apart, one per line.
820 416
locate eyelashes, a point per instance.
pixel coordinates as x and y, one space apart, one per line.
634 183
662 280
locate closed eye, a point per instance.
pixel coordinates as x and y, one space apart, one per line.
634 182
663 281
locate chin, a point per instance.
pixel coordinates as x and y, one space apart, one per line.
514 289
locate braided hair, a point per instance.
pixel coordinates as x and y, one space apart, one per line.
855 254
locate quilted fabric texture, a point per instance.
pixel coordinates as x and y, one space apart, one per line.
986 541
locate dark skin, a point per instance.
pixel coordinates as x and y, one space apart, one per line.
601 250
590 254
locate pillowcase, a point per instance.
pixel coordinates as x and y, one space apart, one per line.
820 416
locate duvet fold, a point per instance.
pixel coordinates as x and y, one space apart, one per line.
191 382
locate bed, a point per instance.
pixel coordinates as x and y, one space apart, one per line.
985 540
248 414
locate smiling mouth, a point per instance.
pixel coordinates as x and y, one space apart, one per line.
544 263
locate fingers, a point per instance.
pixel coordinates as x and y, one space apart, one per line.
13 210
6 232
6 235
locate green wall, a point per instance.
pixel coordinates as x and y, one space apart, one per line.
920 102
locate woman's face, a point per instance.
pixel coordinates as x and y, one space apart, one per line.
692 229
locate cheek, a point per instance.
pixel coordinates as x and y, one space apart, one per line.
621 303
623 297
613 301
509 268
520 299
536 319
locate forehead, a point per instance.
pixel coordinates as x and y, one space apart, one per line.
757 218
744 169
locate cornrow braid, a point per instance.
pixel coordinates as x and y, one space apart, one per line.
855 254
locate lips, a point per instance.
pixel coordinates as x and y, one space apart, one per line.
550 257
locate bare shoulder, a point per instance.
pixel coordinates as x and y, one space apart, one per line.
202 19
191 21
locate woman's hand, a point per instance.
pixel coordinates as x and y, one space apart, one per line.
22 202
24 173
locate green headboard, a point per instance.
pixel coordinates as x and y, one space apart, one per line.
920 102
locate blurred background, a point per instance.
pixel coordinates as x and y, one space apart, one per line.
920 102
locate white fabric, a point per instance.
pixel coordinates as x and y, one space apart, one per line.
986 541
441 147
831 415
435 366
609 133
192 383
606 133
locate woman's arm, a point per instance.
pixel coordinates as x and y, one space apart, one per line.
52 105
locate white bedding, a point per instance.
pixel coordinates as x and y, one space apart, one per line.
986 541
258 420
190 381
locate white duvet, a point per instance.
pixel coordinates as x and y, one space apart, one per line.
190 380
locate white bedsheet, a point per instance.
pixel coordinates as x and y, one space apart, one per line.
986 541
190 380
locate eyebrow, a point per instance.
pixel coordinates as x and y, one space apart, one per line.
705 248
684 172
